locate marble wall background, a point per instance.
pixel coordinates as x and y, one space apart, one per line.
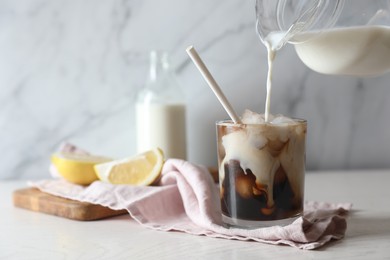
69 71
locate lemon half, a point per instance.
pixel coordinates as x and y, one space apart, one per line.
140 170
77 168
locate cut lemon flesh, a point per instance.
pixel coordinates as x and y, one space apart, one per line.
77 168
141 170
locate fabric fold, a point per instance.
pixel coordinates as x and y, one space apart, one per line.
186 199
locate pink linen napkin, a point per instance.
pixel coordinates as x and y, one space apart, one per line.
187 200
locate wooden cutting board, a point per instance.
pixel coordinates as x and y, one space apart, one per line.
35 200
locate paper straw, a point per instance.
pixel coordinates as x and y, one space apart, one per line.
212 83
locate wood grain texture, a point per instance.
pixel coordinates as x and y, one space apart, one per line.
35 200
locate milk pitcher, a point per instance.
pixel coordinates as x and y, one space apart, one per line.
338 37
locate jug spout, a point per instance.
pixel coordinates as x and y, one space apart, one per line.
280 21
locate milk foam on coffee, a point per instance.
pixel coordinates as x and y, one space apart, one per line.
265 148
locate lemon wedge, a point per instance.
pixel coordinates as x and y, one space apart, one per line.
140 170
77 168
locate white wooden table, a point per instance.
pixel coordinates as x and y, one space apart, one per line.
29 235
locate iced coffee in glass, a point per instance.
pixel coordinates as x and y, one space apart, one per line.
261 170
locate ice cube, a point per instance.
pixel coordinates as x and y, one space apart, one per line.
282 120
250 117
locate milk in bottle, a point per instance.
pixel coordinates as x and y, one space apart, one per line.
161 111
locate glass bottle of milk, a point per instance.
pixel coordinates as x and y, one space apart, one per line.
161 110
